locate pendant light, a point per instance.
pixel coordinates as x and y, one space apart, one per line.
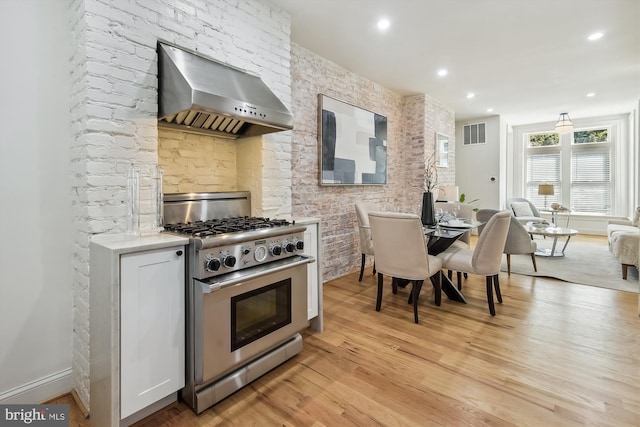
564 124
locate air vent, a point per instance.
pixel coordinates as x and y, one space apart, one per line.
474 134
203 121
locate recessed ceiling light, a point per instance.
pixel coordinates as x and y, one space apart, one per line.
595 36
489 110
443 72
383 24
590 94
470 95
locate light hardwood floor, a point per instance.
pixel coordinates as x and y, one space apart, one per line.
556 354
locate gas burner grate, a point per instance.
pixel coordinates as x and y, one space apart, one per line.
214 227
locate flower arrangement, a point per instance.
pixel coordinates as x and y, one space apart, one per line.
431 173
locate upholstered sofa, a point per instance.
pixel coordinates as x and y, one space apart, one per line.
624 241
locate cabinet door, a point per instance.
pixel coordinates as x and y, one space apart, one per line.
311 248
152 328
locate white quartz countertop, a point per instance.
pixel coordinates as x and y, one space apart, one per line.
125 243
306 220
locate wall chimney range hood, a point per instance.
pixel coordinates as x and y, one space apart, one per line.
199 95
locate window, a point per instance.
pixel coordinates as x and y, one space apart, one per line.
578 165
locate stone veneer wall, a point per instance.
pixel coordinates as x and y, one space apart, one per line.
412 123
114 107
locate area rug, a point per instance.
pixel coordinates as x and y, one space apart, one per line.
585 263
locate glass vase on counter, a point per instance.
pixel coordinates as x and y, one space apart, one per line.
133 201
157 199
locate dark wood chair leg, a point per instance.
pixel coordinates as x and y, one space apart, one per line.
465 275
374 266
394 285
415 291
459 277
496 286
436 281
492 308
379 298
362 269
625 269
508 263
533 260
449 274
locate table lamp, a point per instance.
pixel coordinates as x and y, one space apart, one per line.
545 190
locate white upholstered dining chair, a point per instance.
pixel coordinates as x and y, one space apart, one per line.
401 253
366 246
518 240
485 258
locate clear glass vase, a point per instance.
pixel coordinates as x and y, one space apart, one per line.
133 200
157 199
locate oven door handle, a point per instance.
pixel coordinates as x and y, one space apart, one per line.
251 273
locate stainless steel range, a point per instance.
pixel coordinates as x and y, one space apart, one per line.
246 292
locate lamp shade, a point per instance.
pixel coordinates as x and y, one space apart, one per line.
564 124
545 189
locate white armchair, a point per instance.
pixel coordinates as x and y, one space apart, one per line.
524 210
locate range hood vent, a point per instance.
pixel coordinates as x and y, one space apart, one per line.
196 94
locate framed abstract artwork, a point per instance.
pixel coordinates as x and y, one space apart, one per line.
353 144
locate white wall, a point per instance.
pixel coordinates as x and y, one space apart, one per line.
35 243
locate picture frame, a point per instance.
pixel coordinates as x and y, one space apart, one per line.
442 150
352 144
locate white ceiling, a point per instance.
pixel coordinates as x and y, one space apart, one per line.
529 60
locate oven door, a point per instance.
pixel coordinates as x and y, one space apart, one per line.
244 314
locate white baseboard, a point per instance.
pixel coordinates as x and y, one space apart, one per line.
39 390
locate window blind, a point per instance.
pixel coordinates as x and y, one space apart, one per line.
543 168
591 181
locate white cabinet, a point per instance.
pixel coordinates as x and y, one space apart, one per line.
312 246
152 328
137 326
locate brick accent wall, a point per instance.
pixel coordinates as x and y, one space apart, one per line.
412 123
196 163
114 125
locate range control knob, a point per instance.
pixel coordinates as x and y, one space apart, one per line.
229 261
289 246
299 245
212 264
245 250
275 249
